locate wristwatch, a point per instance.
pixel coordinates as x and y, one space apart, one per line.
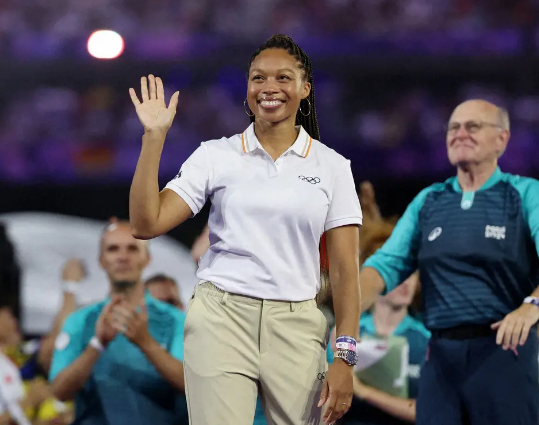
532 300
349 356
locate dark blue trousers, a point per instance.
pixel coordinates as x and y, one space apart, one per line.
475 382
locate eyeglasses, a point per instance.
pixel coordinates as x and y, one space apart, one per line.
470 126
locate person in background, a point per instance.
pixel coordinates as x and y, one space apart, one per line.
18 402
475 241
165 289
73 273
121 359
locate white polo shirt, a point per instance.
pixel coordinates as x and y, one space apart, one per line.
267 217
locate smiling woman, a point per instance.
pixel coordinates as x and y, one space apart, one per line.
275 189
281 85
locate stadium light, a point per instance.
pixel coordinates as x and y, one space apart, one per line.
105 44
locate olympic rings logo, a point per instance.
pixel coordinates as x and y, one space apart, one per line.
321 376
312 180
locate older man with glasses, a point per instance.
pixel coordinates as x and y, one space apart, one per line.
475 240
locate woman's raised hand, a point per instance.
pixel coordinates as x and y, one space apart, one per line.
152 112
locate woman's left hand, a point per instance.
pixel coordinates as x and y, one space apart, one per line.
337 391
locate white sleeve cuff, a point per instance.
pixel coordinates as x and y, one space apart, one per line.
183 194
343 222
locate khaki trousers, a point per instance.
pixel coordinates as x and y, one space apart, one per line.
237 347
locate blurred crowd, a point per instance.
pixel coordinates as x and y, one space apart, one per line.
240 18
26 396
56 134
80 130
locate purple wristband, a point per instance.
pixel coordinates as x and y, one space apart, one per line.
347 339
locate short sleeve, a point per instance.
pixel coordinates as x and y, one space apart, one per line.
68 345
176 349
531 209
528 190
344 207
192 181
397 259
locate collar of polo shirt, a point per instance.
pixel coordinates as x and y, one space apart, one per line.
302 145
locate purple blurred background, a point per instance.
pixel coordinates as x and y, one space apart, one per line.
387 75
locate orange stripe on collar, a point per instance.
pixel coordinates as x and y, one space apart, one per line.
309 147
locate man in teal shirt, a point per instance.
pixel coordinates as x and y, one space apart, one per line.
121 359
475 241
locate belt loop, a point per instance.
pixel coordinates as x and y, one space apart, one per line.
225 298
292 306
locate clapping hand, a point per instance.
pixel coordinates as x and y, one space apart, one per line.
132 321
104 329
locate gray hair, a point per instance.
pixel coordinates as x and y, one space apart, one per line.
503 121
503 118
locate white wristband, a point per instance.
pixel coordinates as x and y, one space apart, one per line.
70 286
96 344
532 300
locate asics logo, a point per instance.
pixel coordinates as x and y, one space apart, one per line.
434 234
312 180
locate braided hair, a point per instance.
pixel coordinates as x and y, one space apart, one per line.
281 41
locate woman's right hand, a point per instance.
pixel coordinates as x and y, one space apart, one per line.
152 111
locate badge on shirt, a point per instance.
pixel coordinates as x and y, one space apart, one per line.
62 341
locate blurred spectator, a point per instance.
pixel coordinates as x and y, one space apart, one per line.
394 349
17 401
165 289
72 274
121 359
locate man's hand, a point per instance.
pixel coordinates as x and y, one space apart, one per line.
73 271
104 329
369 206
132 322
514 329
337 391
